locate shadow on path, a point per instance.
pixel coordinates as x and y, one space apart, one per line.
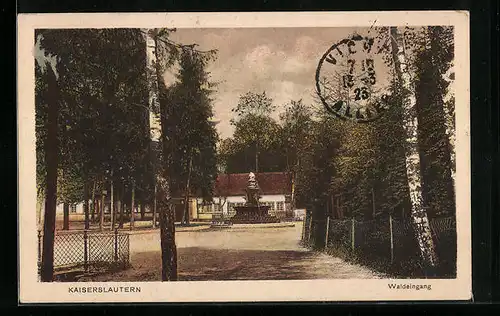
206 264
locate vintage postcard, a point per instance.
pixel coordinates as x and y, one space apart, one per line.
244 157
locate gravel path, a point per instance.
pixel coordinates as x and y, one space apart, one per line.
251 254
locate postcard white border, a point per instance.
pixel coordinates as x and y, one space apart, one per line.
32 291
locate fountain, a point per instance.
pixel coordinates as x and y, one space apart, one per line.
252 212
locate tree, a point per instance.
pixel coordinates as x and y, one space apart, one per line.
410 125
51 162
431 65
103 122
163 50
253 124
296 133
192 164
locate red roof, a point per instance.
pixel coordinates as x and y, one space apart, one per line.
269 183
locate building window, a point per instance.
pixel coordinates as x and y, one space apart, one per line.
205 207
72 208
279 206
217 208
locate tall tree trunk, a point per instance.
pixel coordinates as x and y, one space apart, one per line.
155 205
162 193
410 125
185 217
294 185
86 203
319 229
51 162
101 212
112 204
65 216
92 210
143 209
120 206
132 206
167 232
97 209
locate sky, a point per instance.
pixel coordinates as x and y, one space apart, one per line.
280 61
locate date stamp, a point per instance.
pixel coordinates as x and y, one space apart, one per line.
352 79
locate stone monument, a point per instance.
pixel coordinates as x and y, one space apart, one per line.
252 212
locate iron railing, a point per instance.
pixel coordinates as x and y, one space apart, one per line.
88 249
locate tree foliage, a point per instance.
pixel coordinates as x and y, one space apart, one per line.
191 132
103 118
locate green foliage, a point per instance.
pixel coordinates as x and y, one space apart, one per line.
41 107
252 103
103 121
432 63
296 131
190 133
371 156
256 143
316 169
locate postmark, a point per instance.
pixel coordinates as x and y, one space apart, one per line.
352 79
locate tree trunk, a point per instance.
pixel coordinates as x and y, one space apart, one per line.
185 217
294 177
132 206
112 205
101 213
86 203
319 231
51 162
143 210
65 216
119 206
93 202
154 205
167 232
162 195
410 125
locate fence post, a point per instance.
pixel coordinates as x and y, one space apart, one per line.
392 240
128 249
85 250
116 245
132 207
327 230
303 233
310 228
352 234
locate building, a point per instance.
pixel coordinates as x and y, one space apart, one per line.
229 191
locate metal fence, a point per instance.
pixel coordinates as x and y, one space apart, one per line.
385 244
281 215
88 249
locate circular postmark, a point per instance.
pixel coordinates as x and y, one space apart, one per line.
352 80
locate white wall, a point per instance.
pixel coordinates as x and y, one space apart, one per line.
60 209
241 199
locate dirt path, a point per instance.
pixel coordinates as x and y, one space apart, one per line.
253 254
